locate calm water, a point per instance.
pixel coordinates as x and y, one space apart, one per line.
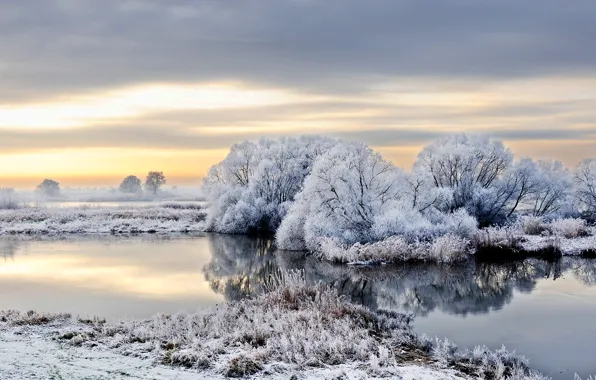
544 311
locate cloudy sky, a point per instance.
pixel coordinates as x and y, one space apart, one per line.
93 90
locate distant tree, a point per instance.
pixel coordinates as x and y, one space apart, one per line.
131 185
154 181
49 188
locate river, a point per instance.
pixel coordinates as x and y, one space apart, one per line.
543 310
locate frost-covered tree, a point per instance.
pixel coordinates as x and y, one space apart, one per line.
154 181
510 191
49 187
484 179
131 185
465 164
252 188
585 186
553 189
349 187
423 194
354 196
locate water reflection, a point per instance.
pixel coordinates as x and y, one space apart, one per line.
240 266
8 249
544 310
113 277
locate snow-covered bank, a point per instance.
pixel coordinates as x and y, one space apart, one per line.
30 354
162 219
528 237
292 329
444 249
560 237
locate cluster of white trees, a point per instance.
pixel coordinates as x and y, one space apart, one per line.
311 188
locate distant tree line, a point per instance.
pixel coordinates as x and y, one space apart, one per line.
154 181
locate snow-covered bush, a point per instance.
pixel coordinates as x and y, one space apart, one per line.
444 249
252 188
8 198
533 225
569 227
311 191
498 237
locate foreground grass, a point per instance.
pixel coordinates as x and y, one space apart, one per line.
292 327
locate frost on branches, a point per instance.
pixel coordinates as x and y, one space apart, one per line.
353 196
250 190
488 183
346 202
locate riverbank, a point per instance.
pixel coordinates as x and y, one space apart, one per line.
166 218
529 237
292 329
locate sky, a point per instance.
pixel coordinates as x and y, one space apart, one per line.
94 90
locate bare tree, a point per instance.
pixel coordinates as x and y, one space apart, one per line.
154 181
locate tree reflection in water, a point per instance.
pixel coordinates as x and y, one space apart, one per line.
8 248
241 266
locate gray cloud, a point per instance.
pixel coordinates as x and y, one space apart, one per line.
396 137
158 137
63 46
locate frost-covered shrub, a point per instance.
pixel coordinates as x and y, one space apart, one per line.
444 249
533 225
30 318
449 248
253 187
8 198
291 327
569 228
498 237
